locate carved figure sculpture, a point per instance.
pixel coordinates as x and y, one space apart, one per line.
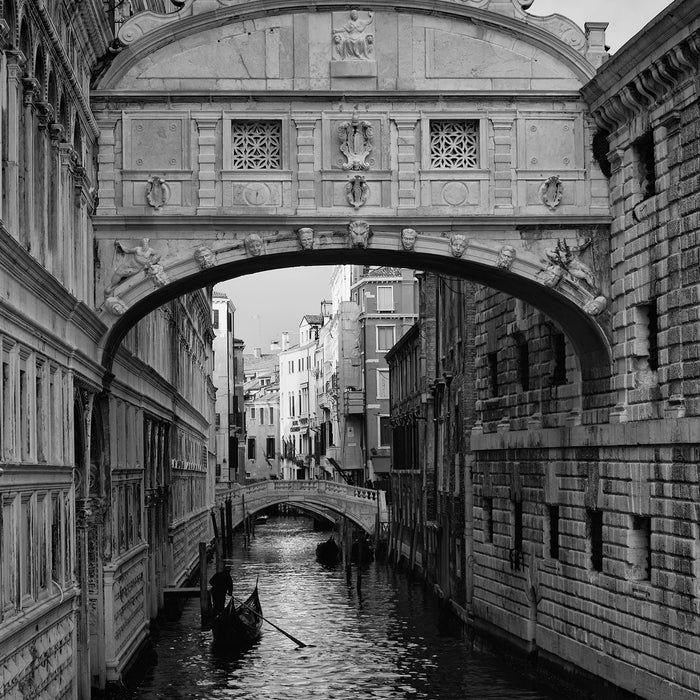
595 306
357 191
157 193
115 306
139 257
355 143
360 233
506 257
253 244
205 257
354 41
551 192
409 236
306 238
458 244
158 274
565 257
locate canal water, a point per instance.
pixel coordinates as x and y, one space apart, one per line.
387 642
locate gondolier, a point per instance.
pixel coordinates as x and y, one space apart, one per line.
221 585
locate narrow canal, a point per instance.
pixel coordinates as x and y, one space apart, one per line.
385 643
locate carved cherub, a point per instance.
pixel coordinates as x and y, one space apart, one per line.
140 257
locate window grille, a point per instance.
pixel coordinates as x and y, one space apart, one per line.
454 144
256 145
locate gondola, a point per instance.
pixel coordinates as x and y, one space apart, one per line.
328 552
238 626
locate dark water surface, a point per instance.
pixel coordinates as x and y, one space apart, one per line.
386 643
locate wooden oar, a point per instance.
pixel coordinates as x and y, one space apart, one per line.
298 642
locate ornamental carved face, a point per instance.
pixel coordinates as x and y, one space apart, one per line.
506 257
205 257
359 234
253 244
306 238
458 244
408 238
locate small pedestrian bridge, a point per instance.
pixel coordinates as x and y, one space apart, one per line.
365 507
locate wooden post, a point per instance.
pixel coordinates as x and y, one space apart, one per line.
360 545
229 528
203 592
348 551
222 520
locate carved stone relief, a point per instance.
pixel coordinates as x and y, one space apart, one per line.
205 257
355 143
551 192
506 257
562 260
136 258
157 273
360 233
354 41
305 236
254 244
458 244
595 306
157 193
357 191
409 236
115 306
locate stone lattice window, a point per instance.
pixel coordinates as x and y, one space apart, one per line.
454 144
256 145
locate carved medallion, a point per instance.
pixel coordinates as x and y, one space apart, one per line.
551 192
157 193
360 233
355 143
357 191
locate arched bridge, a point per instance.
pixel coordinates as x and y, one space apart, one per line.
365 507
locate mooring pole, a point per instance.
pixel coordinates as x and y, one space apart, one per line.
229 528
360 546
348 551
203 592
222 520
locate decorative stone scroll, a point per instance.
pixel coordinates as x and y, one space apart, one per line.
115 306
355 143
137 258
305 235
551 192
409 236
205 257
359 233
357 191
157 193
458 244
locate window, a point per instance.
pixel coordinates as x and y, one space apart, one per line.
640 548
524 365
256 145
492 360
487 518
270 448
252 413
272 415
251 448
645 163
384 431
385 298
595 538
553 513
385 338
382 383
217 421
215 322
559 364
454 144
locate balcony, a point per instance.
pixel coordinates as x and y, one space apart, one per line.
353 402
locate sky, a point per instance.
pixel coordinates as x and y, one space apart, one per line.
272 302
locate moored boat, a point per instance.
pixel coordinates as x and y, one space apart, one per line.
238 625
328 552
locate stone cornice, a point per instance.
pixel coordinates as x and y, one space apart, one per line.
660 57
147 32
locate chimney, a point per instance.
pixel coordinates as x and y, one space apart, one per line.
285 341
275 346
257 352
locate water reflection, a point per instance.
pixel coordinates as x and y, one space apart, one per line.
383 643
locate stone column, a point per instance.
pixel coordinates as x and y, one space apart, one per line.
206 126
504 168
306 176
406 161
4 37
106 173
15 61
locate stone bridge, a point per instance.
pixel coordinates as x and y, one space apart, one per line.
364 507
